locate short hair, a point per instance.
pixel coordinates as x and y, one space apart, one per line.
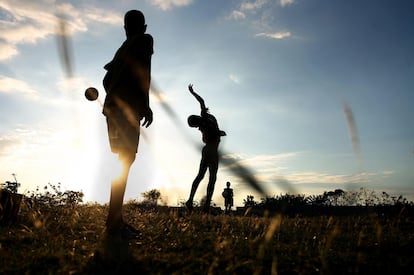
194 121
134 18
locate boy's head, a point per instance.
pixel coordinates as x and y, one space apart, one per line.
134 23
228 184
194 121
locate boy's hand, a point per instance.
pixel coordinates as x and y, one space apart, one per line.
147 116
190 87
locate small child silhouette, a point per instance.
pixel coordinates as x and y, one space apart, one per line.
228 197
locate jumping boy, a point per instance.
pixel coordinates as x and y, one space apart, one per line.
211 135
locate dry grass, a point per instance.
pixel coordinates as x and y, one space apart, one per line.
65 240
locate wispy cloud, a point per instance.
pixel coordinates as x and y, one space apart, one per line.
234 78
284 3
236 15
245 7
327 178
263 161
388 172
169 4
272 169
67 93
255 5
68 90
70 85
104 16
29 22
23 140
276 35
7 51
11 85
7 144
259 15
263 168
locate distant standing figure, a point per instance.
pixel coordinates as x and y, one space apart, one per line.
127 84
228 197
211 135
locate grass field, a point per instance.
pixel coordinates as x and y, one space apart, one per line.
70 240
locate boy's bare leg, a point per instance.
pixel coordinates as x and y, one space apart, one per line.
118 186
210 187
196 182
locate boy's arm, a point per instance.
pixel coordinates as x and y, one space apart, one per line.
141 67
198 97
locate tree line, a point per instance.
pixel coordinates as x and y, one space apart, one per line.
337 202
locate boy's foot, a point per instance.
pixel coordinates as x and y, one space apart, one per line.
206 209
189 205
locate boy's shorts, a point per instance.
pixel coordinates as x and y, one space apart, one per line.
123 133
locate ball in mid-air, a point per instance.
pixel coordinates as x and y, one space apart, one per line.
91 93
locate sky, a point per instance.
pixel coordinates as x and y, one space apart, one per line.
313 95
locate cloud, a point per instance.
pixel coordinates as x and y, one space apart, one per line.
271 170
236 15
259 15
69 90
263 160
234 78
277 35
30 22
388 172
15 86
70 85
274 175
27 22
246 7
169 4
7 144
262 168
251 6
285 3
23 140
7 51
326 178
104 16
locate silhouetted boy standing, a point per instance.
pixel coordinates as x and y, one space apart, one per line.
211 135
127 84
228 197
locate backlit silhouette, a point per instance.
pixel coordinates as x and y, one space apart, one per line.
228 197
211 135
127 84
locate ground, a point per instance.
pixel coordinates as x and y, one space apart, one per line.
72 240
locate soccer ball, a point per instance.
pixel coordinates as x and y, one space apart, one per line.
91 94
